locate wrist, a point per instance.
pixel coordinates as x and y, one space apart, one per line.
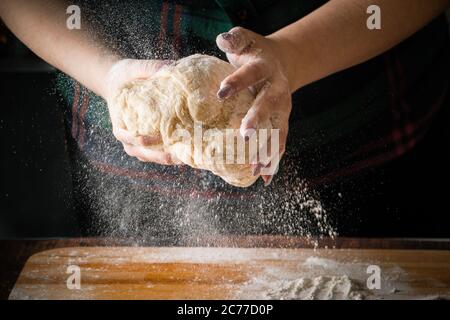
291 59
106 74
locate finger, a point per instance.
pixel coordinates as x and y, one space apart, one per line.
269 161
237 40
268 177
283 138
257 113
263 157
246 76
126 137
152 66
261 161
134 69
276 143
270 152
146 68
148 155
267 180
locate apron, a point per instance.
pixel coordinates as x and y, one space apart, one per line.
341 126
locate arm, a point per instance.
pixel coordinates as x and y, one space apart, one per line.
335 37
41 25
332 38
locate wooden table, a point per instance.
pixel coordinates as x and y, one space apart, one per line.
14 253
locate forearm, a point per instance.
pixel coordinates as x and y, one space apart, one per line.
41 25
335 37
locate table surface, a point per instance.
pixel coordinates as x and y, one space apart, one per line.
14 253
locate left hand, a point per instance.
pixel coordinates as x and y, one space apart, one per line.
120 73
260 68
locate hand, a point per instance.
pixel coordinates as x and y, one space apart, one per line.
260 68
136 146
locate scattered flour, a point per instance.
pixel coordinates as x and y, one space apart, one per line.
318 288
321 262
322 278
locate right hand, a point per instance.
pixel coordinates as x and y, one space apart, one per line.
120 73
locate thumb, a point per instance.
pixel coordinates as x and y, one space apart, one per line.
146 68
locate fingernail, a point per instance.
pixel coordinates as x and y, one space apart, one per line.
145 140
269 171
227 36
268 181
163 63
175 160
248 133
256 170
225 91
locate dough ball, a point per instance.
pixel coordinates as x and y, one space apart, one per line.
181 98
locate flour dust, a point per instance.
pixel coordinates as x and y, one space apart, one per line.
187 205
118 196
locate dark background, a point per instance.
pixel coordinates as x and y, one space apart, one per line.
35 199
35 194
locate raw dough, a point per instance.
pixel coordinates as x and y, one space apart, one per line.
182 96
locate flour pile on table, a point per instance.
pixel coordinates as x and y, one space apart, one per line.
318 288
320 278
